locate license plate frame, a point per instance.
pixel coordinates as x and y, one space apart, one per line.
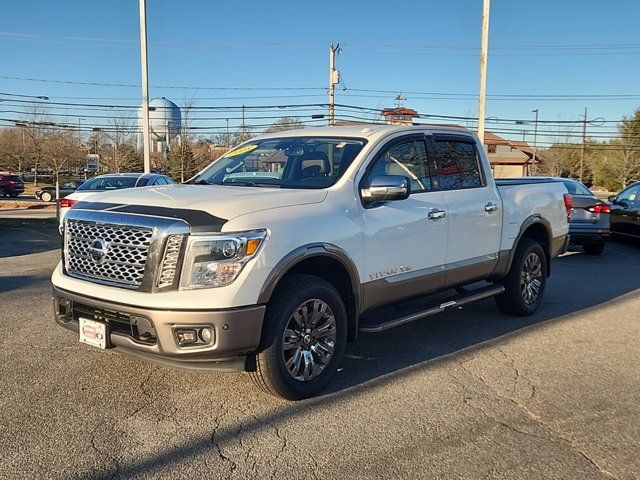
93 333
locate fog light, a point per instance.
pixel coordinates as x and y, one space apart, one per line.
206 335
187 336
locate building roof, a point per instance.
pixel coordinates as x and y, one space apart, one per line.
493 139
510 160
409 112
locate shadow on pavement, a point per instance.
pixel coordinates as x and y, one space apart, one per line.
23 237
8 284
377 360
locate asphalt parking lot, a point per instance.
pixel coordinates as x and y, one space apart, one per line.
467 394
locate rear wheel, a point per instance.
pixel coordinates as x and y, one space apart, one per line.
46 197
303 340
526 280
593 248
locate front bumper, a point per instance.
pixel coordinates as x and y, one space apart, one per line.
151 334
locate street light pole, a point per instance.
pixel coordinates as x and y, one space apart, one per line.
483 69
334 78
145 86
535 137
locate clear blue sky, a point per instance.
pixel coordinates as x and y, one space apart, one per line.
285 44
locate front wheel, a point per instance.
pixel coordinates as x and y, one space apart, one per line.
304 338
526 280
46 197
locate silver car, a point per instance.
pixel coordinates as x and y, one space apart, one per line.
590 218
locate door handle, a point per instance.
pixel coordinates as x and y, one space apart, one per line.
490 207
436 213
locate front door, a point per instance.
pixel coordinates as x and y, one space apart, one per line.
405 241
475 212
625 212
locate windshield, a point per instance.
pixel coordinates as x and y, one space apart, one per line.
108 183
293 162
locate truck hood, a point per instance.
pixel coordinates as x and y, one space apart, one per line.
221 201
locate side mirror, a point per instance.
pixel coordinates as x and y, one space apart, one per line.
613 198
385 188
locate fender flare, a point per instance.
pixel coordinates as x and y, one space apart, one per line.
314 250
506 257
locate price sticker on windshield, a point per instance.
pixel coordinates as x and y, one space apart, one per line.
241 150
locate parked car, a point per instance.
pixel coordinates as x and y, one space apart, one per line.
111 182
10 185
590 218
47 194
625 211
274 274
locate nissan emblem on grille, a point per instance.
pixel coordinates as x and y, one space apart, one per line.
114 254
98 250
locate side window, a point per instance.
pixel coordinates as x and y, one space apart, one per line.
408 159
457 165
632 195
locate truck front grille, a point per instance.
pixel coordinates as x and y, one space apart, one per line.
109 253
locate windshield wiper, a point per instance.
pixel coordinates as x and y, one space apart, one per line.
202 181
252 184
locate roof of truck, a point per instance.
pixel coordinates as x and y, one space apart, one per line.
361 131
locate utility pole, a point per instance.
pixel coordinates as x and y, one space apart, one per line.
145 86
484 46
334 79
535 137
584 145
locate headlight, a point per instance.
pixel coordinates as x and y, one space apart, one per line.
217 260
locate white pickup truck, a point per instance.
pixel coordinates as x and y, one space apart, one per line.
280 252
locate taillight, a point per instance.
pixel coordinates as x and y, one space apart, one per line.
65 202
568 204
600 208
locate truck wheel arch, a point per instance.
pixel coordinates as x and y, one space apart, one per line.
326 261
535 227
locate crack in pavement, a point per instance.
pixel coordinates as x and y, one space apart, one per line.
555 432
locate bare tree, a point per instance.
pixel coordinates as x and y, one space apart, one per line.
60 149
118 153
37 128
285 123
12 149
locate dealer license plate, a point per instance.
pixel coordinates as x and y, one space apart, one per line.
93 333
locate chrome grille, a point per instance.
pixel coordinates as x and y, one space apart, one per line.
170 261
110 253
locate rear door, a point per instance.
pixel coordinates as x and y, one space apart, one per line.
474 208
405 240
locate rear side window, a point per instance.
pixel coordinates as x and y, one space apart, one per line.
575 188
457 165
408 159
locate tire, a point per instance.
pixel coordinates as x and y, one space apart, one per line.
523 295
13 195
46 197
594 248
288 373
2 194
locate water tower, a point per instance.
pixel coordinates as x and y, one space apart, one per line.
165 121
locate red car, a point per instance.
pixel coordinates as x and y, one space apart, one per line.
10 185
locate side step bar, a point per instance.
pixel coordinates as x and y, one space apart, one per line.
457 301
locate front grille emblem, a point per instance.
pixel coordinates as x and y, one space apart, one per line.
98 250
